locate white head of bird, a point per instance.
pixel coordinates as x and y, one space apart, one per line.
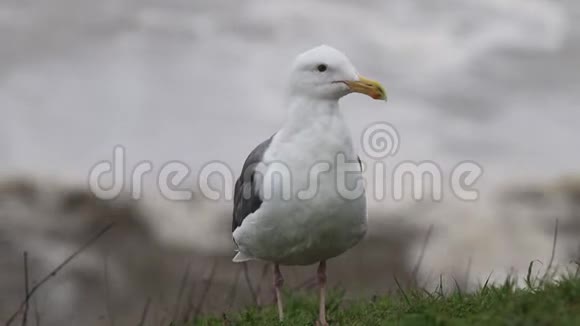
326 73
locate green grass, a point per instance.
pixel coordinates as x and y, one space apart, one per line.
549 303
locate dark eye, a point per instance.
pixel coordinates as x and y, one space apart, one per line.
321 67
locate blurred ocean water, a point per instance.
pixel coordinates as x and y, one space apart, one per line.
491 81
494 82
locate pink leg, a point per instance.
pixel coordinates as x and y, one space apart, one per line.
278 282
322 285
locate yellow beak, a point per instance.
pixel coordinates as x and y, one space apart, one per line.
367 86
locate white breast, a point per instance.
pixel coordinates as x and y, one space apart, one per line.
317 221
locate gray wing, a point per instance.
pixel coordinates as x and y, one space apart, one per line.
246 198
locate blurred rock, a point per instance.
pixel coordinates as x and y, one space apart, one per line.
543 204
175 257
112 279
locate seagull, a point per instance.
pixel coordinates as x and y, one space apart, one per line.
300 198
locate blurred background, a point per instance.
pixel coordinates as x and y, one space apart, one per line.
493 81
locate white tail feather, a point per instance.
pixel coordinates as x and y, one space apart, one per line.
241 257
